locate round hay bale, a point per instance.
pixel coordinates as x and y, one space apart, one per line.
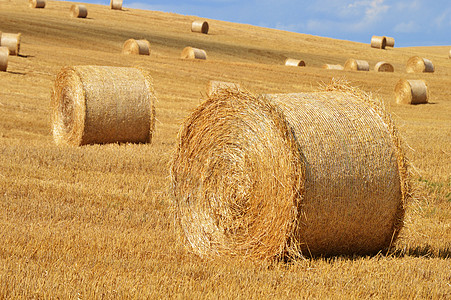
332 67
418 64
200 26
194 53
37 3
378 42
390 42
356 65
263 177
138 47
294 62
11 41
383 66
411 92
215 85
78 11
116 4
98 105
4 55
449 54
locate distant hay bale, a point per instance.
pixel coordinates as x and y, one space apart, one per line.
194 53
37 3
449 54
418 64
294 62
78 11
383 66
390 42
378 42
4 55
332 67
116 4
356 65
215 85
266 177
200 26
139 47
98 105
411 92
11 41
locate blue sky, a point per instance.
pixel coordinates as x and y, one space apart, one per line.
410 22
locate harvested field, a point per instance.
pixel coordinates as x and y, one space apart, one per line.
98 221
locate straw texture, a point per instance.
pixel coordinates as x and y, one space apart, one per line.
78 11
383 66
411 92
313 174
37 3
356 65
11 41
378 42
215 85
4 55
200 26
97 104
332 67
418 64
193 53
294 62
116 4
138 47
390 42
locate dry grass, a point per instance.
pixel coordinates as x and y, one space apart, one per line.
97 221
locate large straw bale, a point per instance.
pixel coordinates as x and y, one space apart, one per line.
294 62
418 64
262 177
37 3
356 65
332 67
411 92
193 53
216 85
99 104
78 11
11 41
378 42
200 26
4 55
116 4
383 66
390 42
138 47
449 54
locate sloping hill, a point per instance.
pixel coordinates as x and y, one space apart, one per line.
97 220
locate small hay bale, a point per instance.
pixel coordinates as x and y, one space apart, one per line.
356 65
418 64
265 177
449 54
411 92
98 105
383 66
193 53
116 4
390 42
294 62
4 55
200 26
332 67
37 3
215 85
78 11
138 47
11 41
378 42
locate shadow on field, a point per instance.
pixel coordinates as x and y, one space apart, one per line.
25 56
425 251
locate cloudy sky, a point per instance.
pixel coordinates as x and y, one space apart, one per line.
411 22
